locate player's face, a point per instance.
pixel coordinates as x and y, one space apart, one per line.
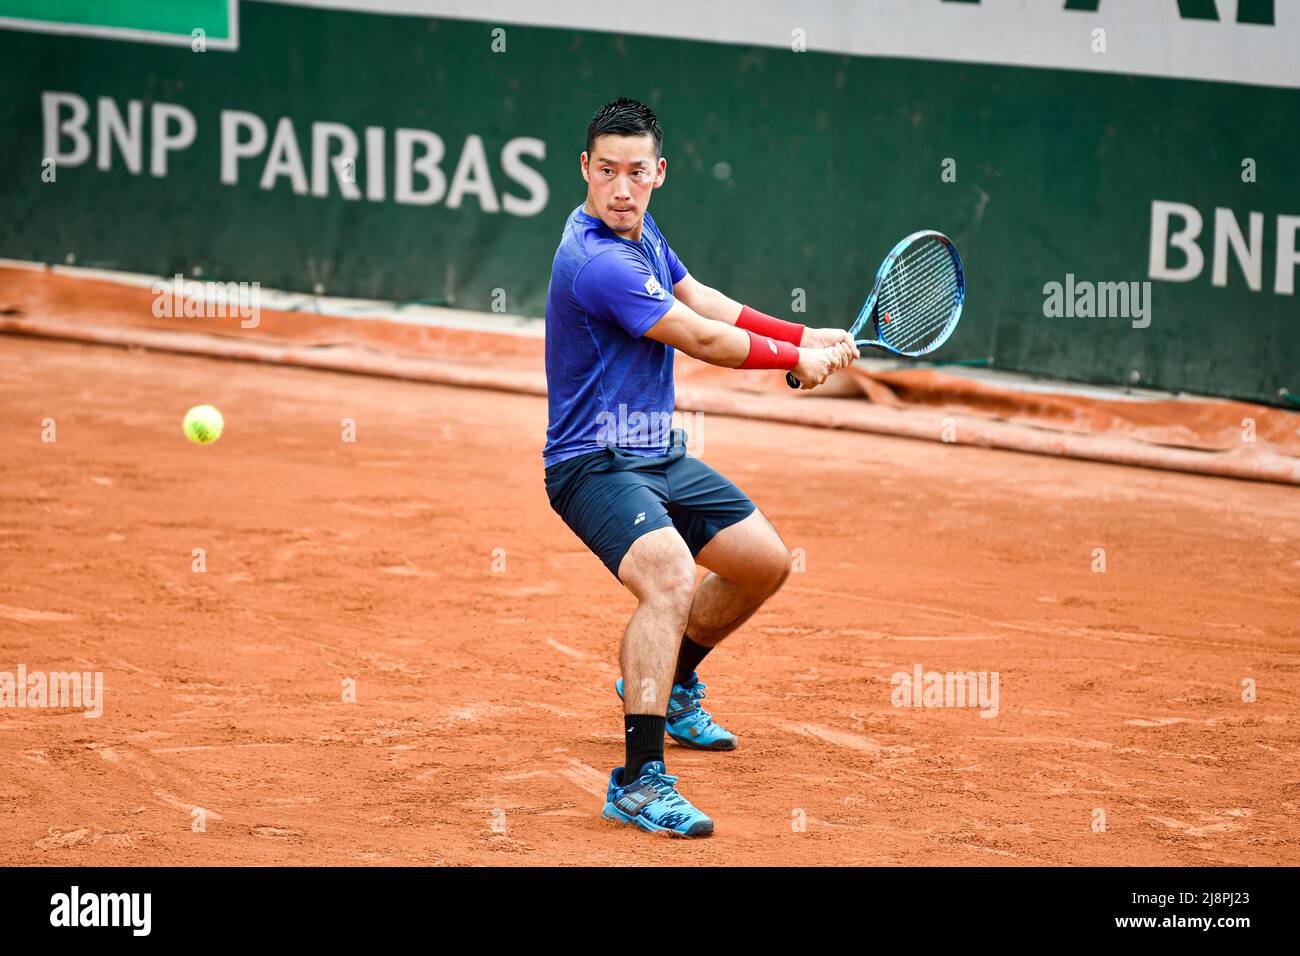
620 172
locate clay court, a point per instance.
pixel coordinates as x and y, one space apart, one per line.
485 723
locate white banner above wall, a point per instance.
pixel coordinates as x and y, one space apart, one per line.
1237 41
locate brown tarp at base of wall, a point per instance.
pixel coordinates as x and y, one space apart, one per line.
1208 436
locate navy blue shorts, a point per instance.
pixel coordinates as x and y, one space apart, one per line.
610 497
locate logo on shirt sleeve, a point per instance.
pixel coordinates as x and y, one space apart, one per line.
653 287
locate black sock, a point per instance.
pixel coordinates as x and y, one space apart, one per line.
688 658
643 735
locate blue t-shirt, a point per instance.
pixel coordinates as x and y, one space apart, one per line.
607 384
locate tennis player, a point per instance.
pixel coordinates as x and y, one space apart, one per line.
620 302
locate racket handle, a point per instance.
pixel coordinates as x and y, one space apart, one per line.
792 381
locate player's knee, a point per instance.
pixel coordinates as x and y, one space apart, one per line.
659 569
672 586
768 568
783 567
771 561
779 567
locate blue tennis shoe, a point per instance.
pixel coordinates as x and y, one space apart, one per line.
687 722
652 802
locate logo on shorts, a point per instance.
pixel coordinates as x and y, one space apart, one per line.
639 519
654 288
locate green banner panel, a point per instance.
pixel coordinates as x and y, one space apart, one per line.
177 17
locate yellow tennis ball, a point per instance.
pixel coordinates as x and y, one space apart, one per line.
203 424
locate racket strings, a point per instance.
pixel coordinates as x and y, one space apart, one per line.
918 295
919 269
914 274
922 329
917 298
922 319
913 321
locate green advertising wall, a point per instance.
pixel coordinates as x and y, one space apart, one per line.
786 171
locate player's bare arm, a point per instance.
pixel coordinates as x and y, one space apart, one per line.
720 343
712 304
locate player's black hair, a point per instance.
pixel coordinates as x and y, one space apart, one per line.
627 118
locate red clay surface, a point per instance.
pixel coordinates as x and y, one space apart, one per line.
486 696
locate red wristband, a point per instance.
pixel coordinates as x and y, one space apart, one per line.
751 320
769 353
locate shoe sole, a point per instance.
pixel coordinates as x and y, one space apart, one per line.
692 745
612 812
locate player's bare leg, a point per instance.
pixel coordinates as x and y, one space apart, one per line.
748 562
659 571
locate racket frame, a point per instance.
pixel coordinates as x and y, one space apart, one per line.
868 307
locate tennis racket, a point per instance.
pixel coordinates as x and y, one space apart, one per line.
916 302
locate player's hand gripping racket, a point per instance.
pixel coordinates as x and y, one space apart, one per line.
916 301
